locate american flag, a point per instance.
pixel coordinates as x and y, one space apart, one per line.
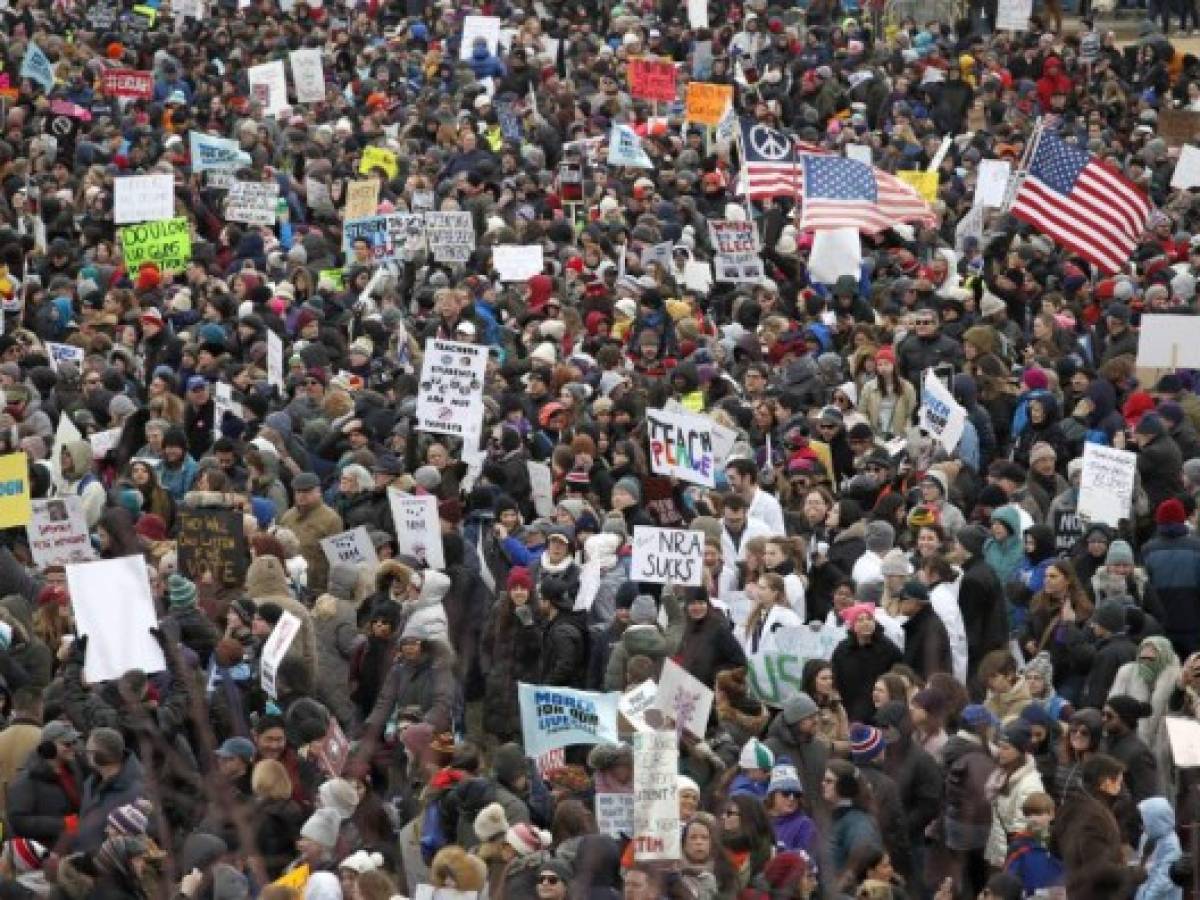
845 193
1069 195
771 161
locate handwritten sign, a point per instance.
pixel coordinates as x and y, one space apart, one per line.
418 529
662 555
1106 484
143 198
614 814
450 393
681 446
129 83
168 244
450 235
652 79
275 649
736 247
252 202
212 546
684 699
308 75
362 198
58 532
353 546
705 103
656 829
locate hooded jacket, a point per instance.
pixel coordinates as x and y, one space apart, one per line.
267 582
1159 849
80 480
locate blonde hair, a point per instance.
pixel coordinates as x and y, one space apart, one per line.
270 780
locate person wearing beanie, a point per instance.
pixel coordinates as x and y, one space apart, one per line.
794 734
196 629
1159 460
317 843
754 764
643 637
866 744
1104 651
1121 715
926 641
1039 681
565 631
491 824
1016 778
1172 563
792 827
861 658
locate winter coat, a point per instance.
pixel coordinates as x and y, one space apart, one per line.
1009 793
1152 729
1160 469
267 581
981 599
646 640
510 652
968 815
37 802
1172 561
926 643
1102 659
709 646
337 637
101 797
1159 849
17 742
196 631
1141 770
856 668
810 757
1085 833
277 825
1030 862
852 829
870 404
311 527
427 685
564 650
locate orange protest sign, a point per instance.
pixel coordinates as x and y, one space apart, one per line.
706 103
652 79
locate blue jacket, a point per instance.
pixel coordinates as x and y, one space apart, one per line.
1159 848
743 784
1035 866
178 482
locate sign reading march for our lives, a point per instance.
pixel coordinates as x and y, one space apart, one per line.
625 148
553 717
941 415
776 674
1106 484
168 244
662 555
681 445
61 353
450 394
36 67
214 154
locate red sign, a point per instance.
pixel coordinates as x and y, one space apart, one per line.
129 83
653 79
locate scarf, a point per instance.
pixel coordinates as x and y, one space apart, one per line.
1164 657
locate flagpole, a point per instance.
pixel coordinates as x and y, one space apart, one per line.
1019 175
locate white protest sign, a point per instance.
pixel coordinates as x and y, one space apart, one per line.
860 153
1169 341
614 814
66 433
634 703
683 698
736 251
777 676
274 360
451 236
318 197
697 13
143 198
1013 15
276 648
697 276
114 609
353 546
660 254
681 445
268 86
223 403
656 796
991 184
969 226
662 555
60 353
418 529
517 262
450 394
103 441
1184 737
486 28
723 438
58 532
308 75
252 202
541 481
835 252
1187 168
941 415
1106 485
590 574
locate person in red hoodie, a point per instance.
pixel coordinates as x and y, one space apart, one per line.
1053 81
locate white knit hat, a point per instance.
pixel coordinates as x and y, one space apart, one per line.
491 822
322 827
526 839
756 755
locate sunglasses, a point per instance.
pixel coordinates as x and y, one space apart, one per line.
791 795
548 879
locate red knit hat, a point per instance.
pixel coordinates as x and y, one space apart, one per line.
519 576
1170 512
885 353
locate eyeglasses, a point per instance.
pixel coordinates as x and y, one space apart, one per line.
924 322
548 879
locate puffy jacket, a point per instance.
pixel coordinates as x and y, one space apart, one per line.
857 666
38 804
565 651
427 684
1159 848
101 797
1172 562
1010 795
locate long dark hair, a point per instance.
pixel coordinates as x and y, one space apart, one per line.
123 540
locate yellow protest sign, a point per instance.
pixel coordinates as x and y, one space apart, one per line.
167 243
148 11
362 198
15 506
924 183
378 158
706 103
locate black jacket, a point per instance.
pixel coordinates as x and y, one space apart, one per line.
926 644
101 797
1100 658
37 802
981 599
1141 771
564 651
857 666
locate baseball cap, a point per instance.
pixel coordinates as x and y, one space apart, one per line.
197 381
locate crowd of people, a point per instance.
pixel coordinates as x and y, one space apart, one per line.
1004 672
